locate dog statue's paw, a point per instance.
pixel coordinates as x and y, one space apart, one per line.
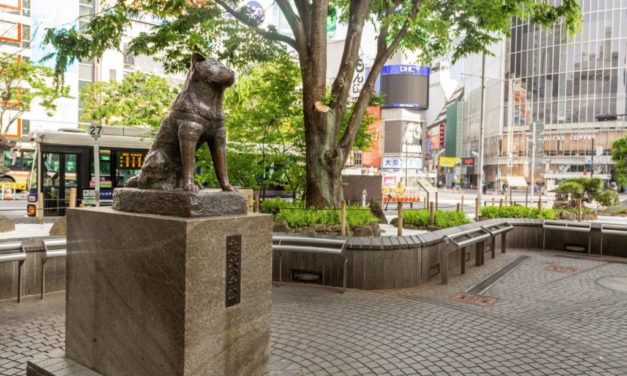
228 188
191 187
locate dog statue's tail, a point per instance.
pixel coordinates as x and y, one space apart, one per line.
132 182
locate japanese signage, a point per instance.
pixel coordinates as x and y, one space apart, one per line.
130 160
358 79
448 162
469 162
442 135
394 163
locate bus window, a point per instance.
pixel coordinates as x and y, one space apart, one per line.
10 160
27 160
105 170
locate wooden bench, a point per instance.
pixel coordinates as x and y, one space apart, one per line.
281 243
53 248
14 252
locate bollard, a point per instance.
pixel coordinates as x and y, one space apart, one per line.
431 214
399 223
73 197
500 203
510 195
40 208
462 201
579 211
436 200
343 218
458 207
258 203
540 203
493 199
427 201
477 204
527 197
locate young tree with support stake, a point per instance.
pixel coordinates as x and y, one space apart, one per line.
220 27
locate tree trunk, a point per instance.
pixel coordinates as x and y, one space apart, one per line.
324 173
323 157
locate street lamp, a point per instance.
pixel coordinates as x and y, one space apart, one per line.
437 158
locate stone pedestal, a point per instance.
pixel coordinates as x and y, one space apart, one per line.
156 295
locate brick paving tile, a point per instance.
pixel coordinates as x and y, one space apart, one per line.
543 323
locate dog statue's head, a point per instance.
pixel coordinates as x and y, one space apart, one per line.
211 71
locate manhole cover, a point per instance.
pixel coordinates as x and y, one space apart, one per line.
474 299
614 283
562 269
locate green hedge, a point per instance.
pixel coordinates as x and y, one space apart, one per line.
274 205
442 218
489 212
300 217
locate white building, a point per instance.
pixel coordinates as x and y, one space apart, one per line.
23 24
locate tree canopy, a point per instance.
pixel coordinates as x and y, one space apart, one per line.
619 156
21 83
234 34
139 99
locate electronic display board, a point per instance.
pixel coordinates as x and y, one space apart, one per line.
405 86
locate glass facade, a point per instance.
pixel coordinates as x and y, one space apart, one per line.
563 83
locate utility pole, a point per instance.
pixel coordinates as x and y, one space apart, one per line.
481 133
533 158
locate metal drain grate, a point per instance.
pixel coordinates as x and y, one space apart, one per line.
479 300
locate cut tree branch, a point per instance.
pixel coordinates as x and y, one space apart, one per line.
263 32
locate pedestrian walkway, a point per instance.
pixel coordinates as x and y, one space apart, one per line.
548 316
27 230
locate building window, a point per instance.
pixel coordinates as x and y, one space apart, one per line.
25 127
25 36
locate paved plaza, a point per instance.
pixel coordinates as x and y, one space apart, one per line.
551 315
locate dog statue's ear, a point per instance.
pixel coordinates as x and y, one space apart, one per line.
197 58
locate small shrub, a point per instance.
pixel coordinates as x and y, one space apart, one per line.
607 198
274 205
442 218
301 217
489 212
573 188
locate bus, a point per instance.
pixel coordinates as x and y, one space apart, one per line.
64 159
17 162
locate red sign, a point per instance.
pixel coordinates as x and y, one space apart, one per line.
442 127
470 162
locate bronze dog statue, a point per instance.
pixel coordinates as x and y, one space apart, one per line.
196 117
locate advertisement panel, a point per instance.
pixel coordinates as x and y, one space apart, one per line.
448 162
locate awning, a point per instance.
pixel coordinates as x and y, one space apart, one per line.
517 181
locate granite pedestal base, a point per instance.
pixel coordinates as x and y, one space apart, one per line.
179 203
155 295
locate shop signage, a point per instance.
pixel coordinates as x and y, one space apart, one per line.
468 162
448 162
572 137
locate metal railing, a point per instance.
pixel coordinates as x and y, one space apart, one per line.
461 240
310 245
14 252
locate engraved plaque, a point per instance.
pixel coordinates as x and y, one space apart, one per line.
233 269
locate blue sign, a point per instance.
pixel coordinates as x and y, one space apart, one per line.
405 69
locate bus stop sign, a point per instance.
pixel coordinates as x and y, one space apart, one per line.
95 131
